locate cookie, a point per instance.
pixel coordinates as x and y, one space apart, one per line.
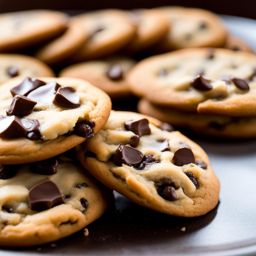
13 65
64 46
23 29
207 81
161 170
44 117
152 27
207 125
237 44
109 74
191 27
45 201
109 31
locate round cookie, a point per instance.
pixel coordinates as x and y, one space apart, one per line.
237 44
46 201
64 46
43 117
152 27
13 65
209 81
26 28
161 170
109 31
109 74
209 125
191 27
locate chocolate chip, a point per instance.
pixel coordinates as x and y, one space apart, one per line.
12 71
11 127
201 84
26 86
203 25
47 167
66 97
163 72
20 106
84 129
166 127
134 141
127 155
84 202
167 192
201 164
44 195
241 84
147 161
44 94
81 185
7 208
210 55
235 48
193 179
139 127
183 156
115 72
253 75
31 127
7 171
163 145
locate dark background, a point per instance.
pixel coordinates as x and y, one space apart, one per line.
246 8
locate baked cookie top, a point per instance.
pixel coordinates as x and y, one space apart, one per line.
107 74
109 31
158 169
45 201
191 27
25 28
209 81
43 117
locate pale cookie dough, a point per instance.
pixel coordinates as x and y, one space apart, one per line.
57 125
80 201
161 170
26 28
107 74
210 81
13 65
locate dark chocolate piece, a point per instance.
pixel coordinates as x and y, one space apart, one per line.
7 208
81 185
193 179
183 156
11 127
139 127
12 71
167 192
7 171
134 141
66 97
32 128
201 84
44 195
166 127
46 167
115 72
84 129
84 202
147 161
241 84
201 164
20 106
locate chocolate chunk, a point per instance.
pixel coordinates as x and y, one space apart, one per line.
139 127
26 86
84 129
32 128
210 54
166 127
44 195
66 97
183 156
20 106
47 167
11 127
84 202
201 164
134 141
167 192
163 72
115 72
241 84
12 71
193 179
7 171
147 161
201 84
203 25
127 155
44 94
7 208
81 185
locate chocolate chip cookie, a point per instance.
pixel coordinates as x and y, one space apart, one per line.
45 201
43 117
107 74
161 170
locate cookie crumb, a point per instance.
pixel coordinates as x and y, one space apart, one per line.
183 229
86 232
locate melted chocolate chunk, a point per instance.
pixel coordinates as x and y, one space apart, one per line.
166 127
84 202
26 86
66 97
7 171
115 72
134 141
12 71
20 106
44 94
127 155
201 164
81 185
31 127
11 127
193 179
84 129
167 192
44 195
241 84
47 167
147 160
139 127
7 208
183 156
201 84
